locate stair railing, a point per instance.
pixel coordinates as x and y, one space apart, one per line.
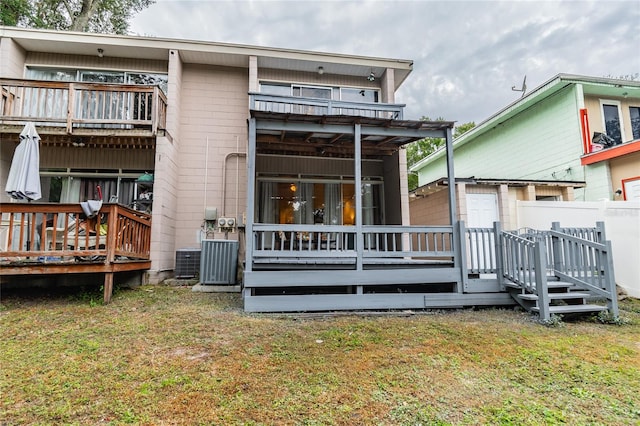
522 257
588 264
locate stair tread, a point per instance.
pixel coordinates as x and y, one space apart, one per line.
567 309
569 295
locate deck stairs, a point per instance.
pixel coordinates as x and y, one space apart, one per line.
563 298
558 272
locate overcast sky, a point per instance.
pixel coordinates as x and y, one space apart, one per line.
467 54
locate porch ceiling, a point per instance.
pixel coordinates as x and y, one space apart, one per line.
333 135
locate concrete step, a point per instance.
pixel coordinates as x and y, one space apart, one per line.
569 309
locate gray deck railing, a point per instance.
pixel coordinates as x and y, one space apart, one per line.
525 264
331 241
300 241
408 241
481 250
585 263
90 105
317 106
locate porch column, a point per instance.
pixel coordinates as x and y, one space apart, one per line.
451 187
251 190
358 193
451 179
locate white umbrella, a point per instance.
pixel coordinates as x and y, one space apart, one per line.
23 182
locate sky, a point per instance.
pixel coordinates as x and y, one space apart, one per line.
468 55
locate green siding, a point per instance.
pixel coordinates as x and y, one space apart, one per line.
543 142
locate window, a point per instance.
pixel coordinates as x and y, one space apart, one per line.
358 95
634 113
330 202
53 74
611 120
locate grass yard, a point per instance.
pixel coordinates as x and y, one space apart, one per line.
161 355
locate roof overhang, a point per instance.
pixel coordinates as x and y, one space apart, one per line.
442 183
333 135
203 52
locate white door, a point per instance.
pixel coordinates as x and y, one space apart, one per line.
482 211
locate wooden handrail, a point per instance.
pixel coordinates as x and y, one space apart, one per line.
36 230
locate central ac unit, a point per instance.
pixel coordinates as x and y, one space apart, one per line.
187 263
219 262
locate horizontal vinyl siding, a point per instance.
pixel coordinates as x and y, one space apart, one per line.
94 62
542 142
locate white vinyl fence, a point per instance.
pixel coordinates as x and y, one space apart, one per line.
622 227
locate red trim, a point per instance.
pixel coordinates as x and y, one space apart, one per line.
586 133
624 193
609 153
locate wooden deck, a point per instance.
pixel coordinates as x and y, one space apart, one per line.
51 239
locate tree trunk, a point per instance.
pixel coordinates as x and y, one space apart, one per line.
81 21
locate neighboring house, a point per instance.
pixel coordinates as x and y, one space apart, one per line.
481 202
548 145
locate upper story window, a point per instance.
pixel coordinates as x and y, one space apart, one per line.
98 76
611 117
349 94
634 113
359 95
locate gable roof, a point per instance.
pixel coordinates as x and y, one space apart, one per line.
590 85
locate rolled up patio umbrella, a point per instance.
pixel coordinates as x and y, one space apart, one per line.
23 182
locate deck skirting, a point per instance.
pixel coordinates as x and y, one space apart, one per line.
330 278
333 302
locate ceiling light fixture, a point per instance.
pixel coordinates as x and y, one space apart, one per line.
320 70
100 53
371 77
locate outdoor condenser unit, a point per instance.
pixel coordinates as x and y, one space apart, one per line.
218 262
187 263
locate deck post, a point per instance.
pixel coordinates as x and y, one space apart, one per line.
462 256
556 247
453 215
358 193
108 287
600 235
497 231
71 102
610 278
542 290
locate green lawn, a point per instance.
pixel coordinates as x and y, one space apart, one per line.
164 355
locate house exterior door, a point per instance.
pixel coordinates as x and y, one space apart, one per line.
482 211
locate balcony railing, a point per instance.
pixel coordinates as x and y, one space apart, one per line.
74 105
316 106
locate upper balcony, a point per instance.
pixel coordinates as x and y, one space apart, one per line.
316 106
80 109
